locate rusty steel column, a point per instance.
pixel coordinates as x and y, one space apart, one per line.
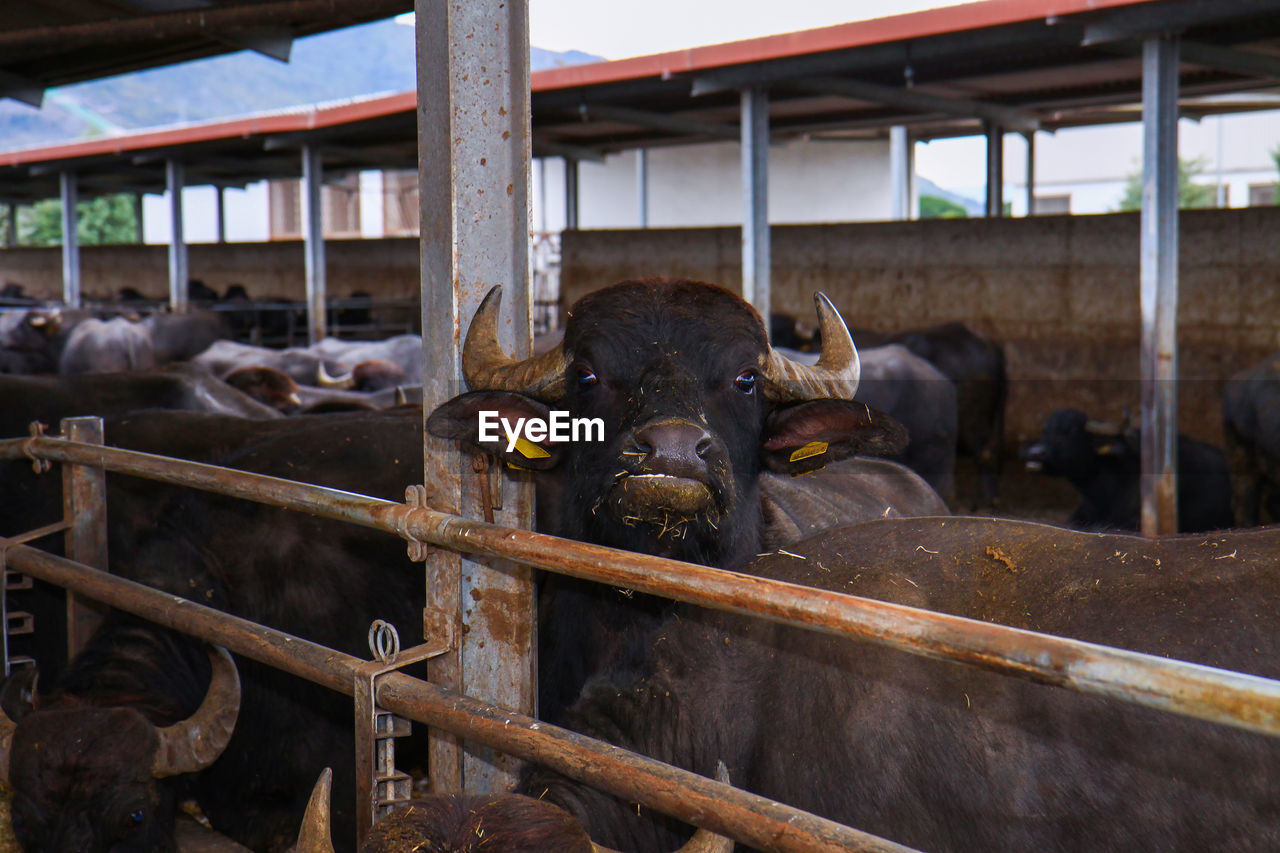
84 506
757 262
473 172
70 240
1159 289
995 170
313 243
179 295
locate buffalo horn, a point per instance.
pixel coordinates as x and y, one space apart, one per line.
703 841
314 836
197 741
836 373
487 368
345 383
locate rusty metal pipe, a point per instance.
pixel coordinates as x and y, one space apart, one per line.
1231 698
746 817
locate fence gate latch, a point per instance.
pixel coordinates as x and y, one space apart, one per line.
379 785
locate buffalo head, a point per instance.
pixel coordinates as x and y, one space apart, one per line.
692 401
84 776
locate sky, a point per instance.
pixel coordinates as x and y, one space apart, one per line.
617 30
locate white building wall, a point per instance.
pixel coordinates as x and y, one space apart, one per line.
246 215
701 185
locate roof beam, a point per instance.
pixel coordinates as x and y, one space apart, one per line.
216 22
547 148
660 121
911 99
272 42
1234 61
21 89
1154 18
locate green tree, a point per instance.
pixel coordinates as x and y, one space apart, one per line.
1190 194
935 207
102 220
1275 155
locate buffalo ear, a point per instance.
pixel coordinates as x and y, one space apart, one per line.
18 692
459 419
805 437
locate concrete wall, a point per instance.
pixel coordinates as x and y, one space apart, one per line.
386 267
1060 292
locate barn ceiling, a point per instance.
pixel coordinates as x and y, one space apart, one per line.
1019 64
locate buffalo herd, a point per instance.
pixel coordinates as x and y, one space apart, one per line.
776 449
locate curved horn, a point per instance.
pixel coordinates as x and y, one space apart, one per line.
324 380
703 841
836 373
487 368
314 836
197 741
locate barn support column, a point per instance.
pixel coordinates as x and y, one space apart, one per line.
474 190
1159 278
140 234
220 213
175 180
84 505
313 243
995 170
642 187
1030 136
570 194
11 239
754 125
70 240
900 169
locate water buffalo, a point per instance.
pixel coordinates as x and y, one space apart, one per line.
309 577
944 757
694 406
1103 463
1251 425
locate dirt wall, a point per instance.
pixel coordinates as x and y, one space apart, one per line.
1061 293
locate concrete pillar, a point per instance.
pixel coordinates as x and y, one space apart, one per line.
754 123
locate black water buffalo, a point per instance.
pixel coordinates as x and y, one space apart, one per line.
307 576
917 395
363 365
944 757
1104 464
694 406
1251 425
107 346
32 342
977 366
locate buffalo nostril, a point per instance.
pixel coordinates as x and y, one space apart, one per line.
704 445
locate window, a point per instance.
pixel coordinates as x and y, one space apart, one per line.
1048 205
339 204
1262 195
400 203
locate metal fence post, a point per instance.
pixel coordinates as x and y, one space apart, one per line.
473 173
84 505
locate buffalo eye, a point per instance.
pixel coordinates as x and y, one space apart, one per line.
586 377
746 381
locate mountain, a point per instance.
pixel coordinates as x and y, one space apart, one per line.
357 61
972 206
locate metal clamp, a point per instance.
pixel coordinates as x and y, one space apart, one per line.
38 464
379 785
417 496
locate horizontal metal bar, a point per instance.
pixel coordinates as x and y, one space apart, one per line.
1209 693
687 796
41 532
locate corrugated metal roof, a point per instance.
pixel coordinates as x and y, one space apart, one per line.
1022 64
46 43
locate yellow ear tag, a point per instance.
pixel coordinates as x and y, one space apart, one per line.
529 450
813 448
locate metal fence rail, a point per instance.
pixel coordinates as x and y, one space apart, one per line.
1235 699
687 796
